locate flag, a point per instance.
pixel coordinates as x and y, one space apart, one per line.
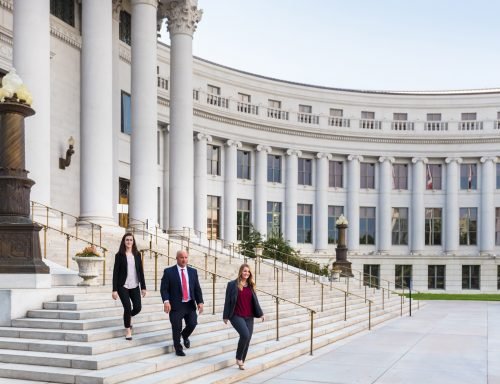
429 178
469 180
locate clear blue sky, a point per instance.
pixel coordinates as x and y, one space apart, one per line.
359 44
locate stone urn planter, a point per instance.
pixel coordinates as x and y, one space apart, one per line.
89 264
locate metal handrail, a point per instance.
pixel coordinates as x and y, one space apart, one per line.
216 275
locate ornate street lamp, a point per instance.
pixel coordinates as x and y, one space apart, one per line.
341 264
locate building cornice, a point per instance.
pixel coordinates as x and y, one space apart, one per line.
364 138
63 32
7 4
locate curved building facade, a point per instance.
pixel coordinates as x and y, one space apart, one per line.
415 173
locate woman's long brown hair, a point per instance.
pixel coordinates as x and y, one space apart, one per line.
250 281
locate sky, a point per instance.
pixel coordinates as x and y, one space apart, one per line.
396 45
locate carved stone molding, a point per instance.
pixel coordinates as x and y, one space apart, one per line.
117 7
293 152
234 143
182 16
125 54
7 4
386 158
264 148
203 136
424 160
65 34
355 158
484 159
323 155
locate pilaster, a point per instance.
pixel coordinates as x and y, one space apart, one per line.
352 209
291 175
384 213
487 208
200 183
321 206
417 228
261 152
230 193
452 209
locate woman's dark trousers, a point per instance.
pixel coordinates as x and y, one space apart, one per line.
130 309
244 327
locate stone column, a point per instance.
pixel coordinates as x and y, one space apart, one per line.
321 206
200 184
292 163
452 210
31 59
352 209
384 213
260 208
417 205
230 196
96 171
487 210
143 164
183 17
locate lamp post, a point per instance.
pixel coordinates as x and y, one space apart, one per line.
341 263
19 239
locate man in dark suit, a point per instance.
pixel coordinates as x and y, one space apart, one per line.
181 293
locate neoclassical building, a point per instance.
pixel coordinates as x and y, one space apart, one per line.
176 141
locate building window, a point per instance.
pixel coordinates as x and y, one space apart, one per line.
497 226
433 221
243 219
244 98
334 112
468 226
304 224
274 104
273 219
400 116
433 177
403 276
63 10
334 212
123 199
213 90
433 117
400 176
436 275
243 165
305 171
367 225
367 177
213 217
434 123
274 168
468 176
469 116
399 226
126 126
367 115
335 174
371 275
471 277
305 108
274 110
125 28
498 175
213 160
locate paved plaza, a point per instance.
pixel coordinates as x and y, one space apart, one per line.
445 342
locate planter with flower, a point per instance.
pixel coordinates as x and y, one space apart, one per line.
89 263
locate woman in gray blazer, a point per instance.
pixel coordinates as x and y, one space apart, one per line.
240 308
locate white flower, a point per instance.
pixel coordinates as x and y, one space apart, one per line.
341 220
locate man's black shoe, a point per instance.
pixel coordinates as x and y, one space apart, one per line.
187 343
180 352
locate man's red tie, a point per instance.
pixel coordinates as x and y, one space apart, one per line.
185 295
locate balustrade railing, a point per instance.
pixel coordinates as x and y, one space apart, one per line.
277 114
370 124
470 125
217 101
436 126
247 108
307 118
339 122
162 83
402 125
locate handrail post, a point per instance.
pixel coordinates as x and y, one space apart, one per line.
277 319
299 286
365 293
67 251
348 279
321 297
312 334
213 293
104 269
401 305
345 306
277 282
156 271
206 266
383 295
370 315
360 278
255 274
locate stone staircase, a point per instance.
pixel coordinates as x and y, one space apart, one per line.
79 337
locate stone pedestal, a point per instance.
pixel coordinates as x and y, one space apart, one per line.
341 263
19 240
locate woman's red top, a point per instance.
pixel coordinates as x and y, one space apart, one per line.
244 303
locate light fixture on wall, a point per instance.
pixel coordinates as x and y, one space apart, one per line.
65 162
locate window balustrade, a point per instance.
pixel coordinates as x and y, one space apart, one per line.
338 122
247 108
277 114
307 118
470 125
217 101
370 124
436 126
196 94
402 126
162 83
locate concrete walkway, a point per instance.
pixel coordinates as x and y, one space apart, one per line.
455 342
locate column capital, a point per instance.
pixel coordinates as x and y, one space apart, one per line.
386 158
449 160
355 157
203 136
293 152
234 143
263 148
153 3
424 160
117 7
484 159
323 155
182 16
